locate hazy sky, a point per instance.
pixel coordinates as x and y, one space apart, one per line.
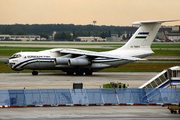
105 12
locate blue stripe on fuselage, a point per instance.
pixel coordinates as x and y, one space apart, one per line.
32 60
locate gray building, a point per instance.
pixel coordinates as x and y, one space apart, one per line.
174 34
19 37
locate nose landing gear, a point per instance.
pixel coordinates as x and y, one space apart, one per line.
34 72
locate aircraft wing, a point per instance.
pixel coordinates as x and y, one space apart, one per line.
95 54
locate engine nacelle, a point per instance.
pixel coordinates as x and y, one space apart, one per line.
62 60
78 62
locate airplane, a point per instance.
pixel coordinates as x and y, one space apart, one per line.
82 61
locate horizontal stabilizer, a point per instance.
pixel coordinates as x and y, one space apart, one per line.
150 22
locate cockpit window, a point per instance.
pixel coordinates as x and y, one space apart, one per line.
15 56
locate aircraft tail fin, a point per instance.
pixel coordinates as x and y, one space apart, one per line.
145 35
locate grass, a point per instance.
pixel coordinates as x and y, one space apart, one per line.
141 67
166 52
8 51
63 43
117 44
4 68
166 45
160 49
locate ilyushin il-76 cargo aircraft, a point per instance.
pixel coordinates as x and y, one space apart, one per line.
82 61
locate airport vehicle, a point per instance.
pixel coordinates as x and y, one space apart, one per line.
174 108
82 61
115 85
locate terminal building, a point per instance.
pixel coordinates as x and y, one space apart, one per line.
90 39
19 37
175 33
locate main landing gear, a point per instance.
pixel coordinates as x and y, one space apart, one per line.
87 72
34 72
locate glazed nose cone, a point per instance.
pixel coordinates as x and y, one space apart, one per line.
6 61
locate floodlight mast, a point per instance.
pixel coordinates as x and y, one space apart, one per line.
94 22
94 27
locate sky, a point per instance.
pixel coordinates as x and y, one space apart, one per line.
84 12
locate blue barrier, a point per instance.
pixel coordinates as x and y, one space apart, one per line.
79 96
131 96
17 97
4 97
94 96
33 97
109 96
88 96
171 95
63 96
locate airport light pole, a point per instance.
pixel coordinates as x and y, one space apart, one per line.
94 27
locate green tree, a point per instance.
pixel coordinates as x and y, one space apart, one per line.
119 33
89 33
123 37
127 37
44 35
21 32
74 34
103 35
68 36
63 36
7 32
57 36
109 33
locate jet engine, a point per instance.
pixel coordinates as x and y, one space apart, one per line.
79 61
63 59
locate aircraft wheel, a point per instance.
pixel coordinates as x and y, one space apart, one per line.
34 72
172 111
79 72
70 73
88 72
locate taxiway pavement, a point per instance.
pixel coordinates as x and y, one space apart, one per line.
61 80
89 113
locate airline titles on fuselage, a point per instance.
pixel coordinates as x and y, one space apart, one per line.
33 56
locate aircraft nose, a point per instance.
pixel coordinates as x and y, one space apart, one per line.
6 61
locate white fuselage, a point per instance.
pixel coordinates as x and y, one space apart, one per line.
46 60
